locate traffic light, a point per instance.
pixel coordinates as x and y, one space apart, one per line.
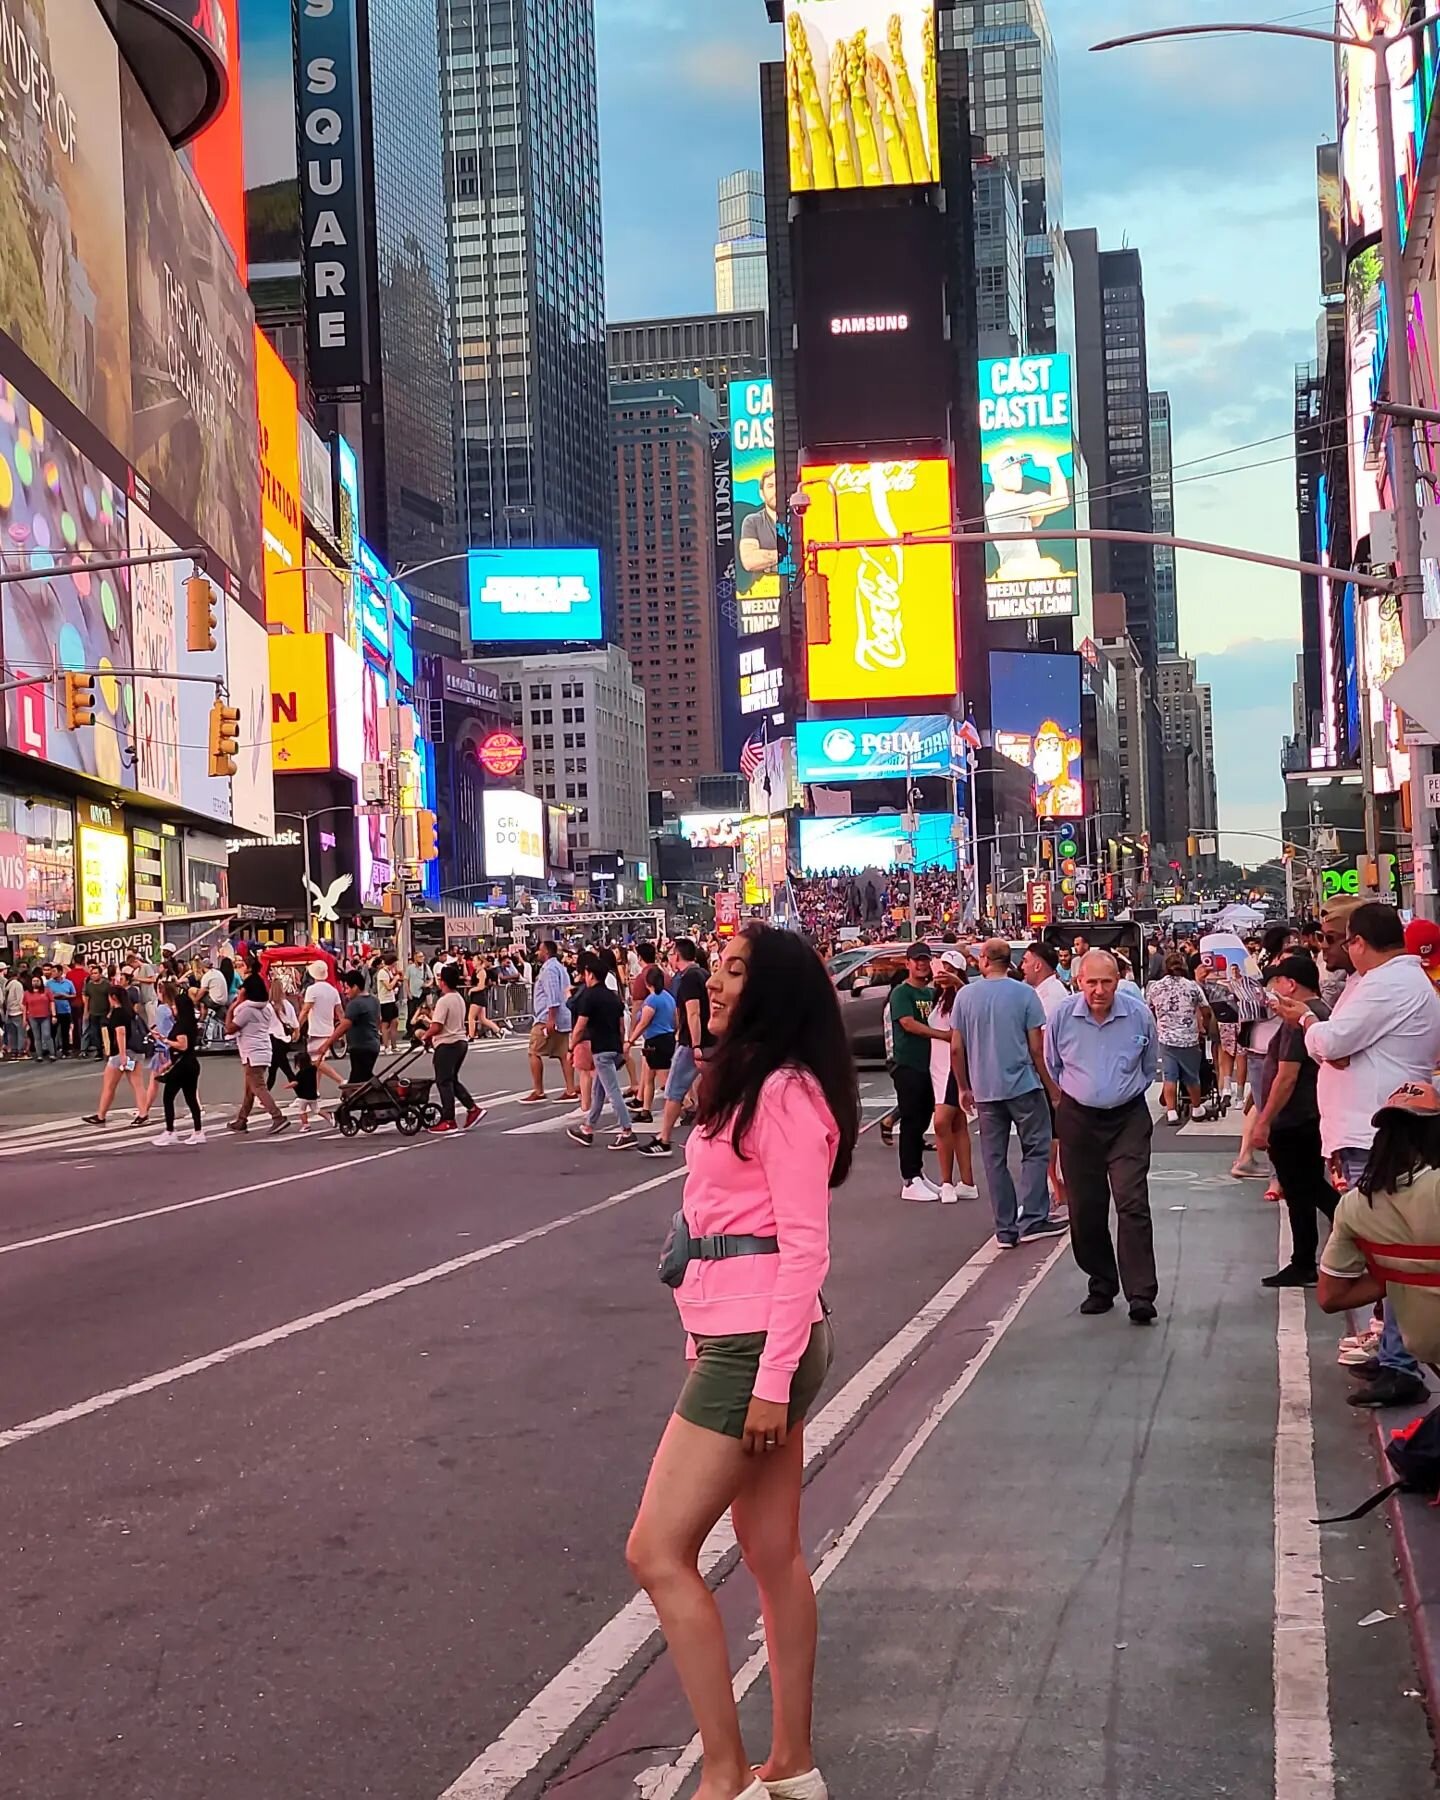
199 614
1047 849
79 700
426 839
224 738
1192 845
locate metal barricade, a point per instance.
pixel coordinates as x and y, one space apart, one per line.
514 1008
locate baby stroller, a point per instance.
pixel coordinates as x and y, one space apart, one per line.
394 1098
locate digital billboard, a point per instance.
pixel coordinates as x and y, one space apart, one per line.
1359 146
862 85
712 831
892 630
1035 713
761 544
877 749
860 841
56 502
1332 224
872 363
192 349
280 488
514 834
302 734
763 858
761 677
1027 453
247 656
535 596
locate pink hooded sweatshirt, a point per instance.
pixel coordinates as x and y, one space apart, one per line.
780 1188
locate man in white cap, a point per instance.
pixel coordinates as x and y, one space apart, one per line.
319 1008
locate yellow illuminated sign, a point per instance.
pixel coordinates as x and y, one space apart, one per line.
302 736
104 876
280 488
891 609
860 80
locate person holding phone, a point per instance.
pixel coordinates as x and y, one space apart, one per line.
181 1043
125 1037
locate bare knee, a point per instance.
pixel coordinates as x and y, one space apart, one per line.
653 1558
770 1551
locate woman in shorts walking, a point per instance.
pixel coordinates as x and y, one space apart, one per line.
654 1031
778 1121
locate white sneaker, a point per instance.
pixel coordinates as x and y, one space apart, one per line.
195 1137
1173 1118
919 1189
166 1137
966 1190
799 1787
948 1196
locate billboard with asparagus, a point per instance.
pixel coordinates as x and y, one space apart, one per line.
861 82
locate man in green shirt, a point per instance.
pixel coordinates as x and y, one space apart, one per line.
910 1004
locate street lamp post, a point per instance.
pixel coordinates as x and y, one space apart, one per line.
1407 504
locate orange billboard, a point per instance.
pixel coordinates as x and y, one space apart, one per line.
218 154
280 488
891 609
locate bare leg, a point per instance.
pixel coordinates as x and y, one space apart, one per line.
537 1074
1168 1095
567 1075
964 1150
696 1474
767 1523
109 1081
945 1155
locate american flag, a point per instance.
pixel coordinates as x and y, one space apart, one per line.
970 735
752 754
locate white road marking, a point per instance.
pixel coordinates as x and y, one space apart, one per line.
534 1733
1304 1748
159 1212
667 1782
263 1340
556 1122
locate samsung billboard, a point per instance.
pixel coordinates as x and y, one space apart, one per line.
876 749
535 596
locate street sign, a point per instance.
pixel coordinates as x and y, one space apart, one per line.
1037 902
1432 792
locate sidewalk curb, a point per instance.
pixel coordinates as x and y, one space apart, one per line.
1418 1564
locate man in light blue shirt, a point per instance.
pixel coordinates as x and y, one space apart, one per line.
550 1034
998 1050
1102 1051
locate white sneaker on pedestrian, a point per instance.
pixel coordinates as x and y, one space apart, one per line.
195 1137
166 1137
799 1787
966 1190
1172 1118
919 1189
948 1196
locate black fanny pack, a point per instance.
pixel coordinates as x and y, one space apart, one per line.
682 1248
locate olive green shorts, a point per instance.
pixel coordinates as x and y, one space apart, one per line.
721 1383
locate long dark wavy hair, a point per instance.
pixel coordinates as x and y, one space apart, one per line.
1405 1143
787 1017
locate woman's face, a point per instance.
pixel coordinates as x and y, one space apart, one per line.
727 983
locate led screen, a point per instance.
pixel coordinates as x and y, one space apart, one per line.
876 749
1027 453
892 632
712 831
861 80
1035 713
868 840
761 544
529 596
514 834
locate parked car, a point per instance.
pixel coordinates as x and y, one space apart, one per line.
863 987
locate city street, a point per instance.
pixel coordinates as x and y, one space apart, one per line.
320 1455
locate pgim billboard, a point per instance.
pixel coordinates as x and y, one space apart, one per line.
890 630
1027 455
861 83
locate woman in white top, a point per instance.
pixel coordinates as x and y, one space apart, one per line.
952 1127
251 1019
445 1035
284 1009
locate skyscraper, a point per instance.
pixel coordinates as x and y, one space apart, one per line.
1162 508
533 461
999 260
742 283
1015 113
716 348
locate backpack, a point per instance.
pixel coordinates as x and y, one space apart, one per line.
1414 1454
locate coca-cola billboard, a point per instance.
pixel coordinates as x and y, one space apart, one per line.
892 628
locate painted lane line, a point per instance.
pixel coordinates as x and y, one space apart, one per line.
1304 1747
534 1733
665 1783
263 1340
178 1206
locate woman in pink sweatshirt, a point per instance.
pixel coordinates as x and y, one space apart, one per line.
777 1125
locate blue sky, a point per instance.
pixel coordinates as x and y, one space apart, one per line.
1201 155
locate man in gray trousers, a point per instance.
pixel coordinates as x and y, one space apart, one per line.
998 1046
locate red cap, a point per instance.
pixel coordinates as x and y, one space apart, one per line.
1422 939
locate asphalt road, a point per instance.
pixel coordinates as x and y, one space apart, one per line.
318 1455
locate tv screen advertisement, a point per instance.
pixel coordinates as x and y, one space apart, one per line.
514 834
712 831
849 845
892 627
862 86
1035 714
1027 455
761 543
833 750
535 596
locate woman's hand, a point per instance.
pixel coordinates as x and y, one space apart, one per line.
767 1425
